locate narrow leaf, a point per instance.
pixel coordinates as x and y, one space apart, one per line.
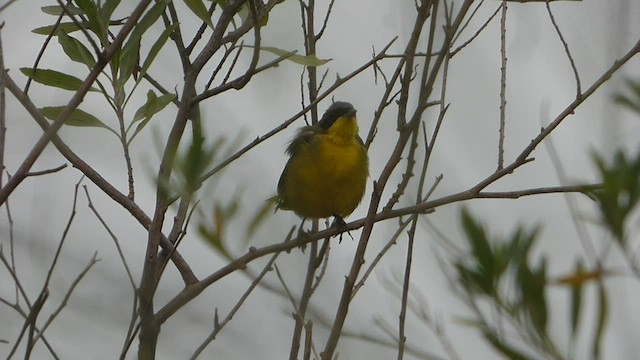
75 50
108 8
153 105
90 10
309 60
54 78
603 311
506 349
130 52
576 301
197 7
77 117
129 58
56 10
155 49
148 19
67 27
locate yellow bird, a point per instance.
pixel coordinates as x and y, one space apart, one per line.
328 167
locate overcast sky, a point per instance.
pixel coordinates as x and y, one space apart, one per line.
540 85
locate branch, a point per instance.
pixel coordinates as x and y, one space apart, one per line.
288 122
77 98
503 83
566 50
3 110
570 109
97 179
48 171
219 325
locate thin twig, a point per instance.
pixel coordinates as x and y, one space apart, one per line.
570 109
288 122
77 98
327 15
31 322
3 109
464 26
97 179
67 295
44 293
113 237
192 290
198 35
377 340
429 75
45 172
176 36
6 5
219 325
392 241
566 49
583 235
503 83
477 33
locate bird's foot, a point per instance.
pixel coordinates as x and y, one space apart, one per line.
341 225
302 237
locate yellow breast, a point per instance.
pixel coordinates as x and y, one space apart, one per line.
328 175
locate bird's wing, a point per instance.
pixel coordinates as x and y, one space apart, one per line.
304 137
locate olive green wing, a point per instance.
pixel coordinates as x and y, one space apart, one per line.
303 138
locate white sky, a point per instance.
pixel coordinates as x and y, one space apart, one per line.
540 85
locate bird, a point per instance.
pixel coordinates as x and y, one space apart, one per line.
328 167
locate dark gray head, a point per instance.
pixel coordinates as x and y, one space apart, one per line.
336 110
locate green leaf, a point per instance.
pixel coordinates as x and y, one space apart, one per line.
155 49
54 78
309 60
67 27
107 10
153 105
57 10
197 7
620 192
91 11
130 52
129 58
576 300
77 117
603 311
532 283
148 19
482 252
245 14
506 349
75 50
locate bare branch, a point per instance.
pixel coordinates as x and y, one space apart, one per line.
503 83
97 179
67 295
3 108
570 109
288 122
73 103
477 33
45 172
219 325
113 237
566 49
